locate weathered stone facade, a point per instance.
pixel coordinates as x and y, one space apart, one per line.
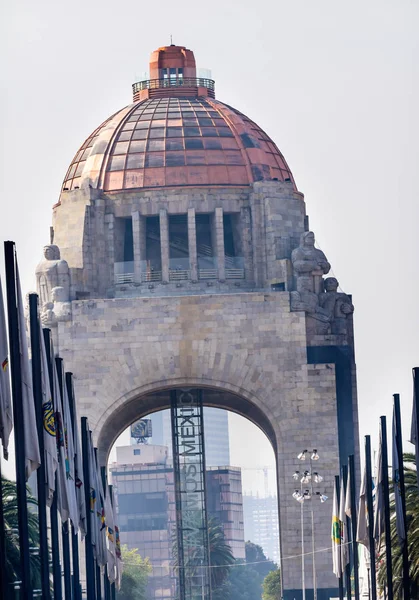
233 303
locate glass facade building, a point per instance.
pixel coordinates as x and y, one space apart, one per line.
261 524
144 489
217 444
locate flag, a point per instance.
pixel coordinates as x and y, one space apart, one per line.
62 489
79 479
118 555
362 532
32 454
348 500
70 463
379 524
6 410
344 548
336 536
93 495
49 428
110 533
400 525
102 554
414 433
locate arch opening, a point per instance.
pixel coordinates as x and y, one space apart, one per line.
143 473
159 399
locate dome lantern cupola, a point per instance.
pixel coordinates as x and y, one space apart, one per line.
173 75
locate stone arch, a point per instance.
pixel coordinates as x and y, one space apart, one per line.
154 396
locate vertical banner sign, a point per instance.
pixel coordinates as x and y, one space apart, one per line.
189 475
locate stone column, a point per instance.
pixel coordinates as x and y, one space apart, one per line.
138 235
164 244
193 255
246 238
110 246
219 243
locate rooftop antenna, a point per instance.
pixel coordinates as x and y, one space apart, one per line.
171 40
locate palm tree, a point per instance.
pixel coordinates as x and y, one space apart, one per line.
9 499
220 555
412 517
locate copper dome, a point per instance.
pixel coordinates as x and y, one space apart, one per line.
176 136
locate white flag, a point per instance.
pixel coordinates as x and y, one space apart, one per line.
49 427
78 472
414 433
400 526
62 489
101 516
110 527
363 520
379 524
70 463
32 454
348 500
344 548
6 410
336 536
93 496
118 554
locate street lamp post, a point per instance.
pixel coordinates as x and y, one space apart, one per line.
309 477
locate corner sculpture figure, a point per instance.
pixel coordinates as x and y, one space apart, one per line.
57 310
337 305
308 260
52 272
53 286
318 318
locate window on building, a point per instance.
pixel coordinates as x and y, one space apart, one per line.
232 241
152 265
137 451
178 244
205 241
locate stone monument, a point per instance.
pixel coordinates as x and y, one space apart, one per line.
178 220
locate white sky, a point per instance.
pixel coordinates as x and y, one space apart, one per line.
334 83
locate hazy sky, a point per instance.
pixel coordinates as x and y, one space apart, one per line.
334 83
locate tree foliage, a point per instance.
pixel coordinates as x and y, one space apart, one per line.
134 576
412 516
257 558
10 513
220 557
272 586
246 577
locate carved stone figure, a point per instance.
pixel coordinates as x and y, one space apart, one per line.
337 305
57 310
309 261
52 272
318 319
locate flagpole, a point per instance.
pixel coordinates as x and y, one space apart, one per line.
41 476
90 564
348 566
337 493
74 537
19 432
113 585
98 572
64 525
405 553
415 372
106 582
3 578
351 461
55 544
386 494
370 510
